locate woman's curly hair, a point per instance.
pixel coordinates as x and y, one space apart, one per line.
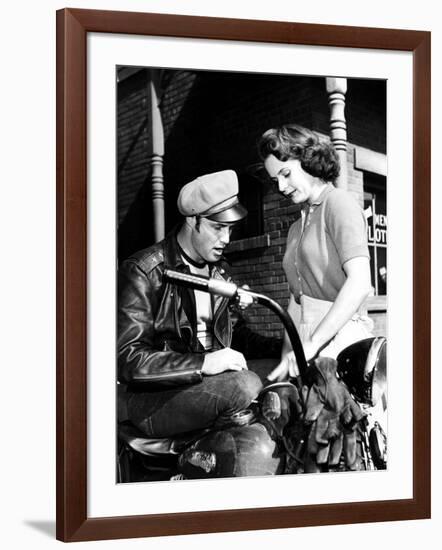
318 157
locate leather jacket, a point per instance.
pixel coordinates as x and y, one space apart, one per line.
157 338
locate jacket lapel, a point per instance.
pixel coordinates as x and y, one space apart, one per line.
185 306
218 301
184 303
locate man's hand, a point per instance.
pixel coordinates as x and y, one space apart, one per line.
244 300
223 360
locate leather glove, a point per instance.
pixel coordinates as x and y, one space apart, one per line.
333 415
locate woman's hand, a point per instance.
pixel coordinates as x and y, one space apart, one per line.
288 367
311 349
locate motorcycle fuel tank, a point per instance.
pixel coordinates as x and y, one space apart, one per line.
236 451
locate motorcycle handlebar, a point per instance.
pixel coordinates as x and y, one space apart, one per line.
199 282
231 290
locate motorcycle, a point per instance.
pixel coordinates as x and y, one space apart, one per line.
257 443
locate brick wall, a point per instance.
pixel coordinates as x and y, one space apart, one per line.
261 268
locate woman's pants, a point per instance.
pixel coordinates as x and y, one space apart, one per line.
310 313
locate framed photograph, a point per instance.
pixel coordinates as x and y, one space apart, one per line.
153 110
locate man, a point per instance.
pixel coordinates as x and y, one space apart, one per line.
174 344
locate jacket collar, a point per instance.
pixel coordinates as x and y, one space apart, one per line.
172 256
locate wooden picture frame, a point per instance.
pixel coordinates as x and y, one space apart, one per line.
73 523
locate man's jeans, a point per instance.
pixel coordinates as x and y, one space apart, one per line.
188 408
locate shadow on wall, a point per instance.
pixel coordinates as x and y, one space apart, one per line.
136 231
45 527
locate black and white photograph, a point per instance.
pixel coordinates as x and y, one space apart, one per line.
252 274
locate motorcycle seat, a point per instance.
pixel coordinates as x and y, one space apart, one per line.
153 446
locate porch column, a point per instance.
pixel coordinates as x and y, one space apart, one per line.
156 153
336 89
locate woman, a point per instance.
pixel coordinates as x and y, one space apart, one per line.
327 259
